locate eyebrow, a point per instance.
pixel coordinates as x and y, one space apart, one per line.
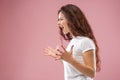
60 18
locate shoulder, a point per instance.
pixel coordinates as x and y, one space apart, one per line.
85 42
83 39
86 39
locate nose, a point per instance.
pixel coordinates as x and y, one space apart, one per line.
58 23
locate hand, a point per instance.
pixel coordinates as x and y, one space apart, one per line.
67 56
53 53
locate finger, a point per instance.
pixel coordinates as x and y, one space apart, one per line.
63 48
45 50
71 50
58 58
60 51
51 49
57 47
52 55
46 53
57 51
49 52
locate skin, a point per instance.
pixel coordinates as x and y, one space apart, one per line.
88 56
62 22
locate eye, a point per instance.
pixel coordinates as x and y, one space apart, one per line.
60 19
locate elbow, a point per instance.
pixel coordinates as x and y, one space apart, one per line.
93 74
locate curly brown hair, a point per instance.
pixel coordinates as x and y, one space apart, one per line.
79 26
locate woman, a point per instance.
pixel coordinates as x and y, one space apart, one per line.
80 58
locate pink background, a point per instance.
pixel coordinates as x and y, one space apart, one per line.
28 26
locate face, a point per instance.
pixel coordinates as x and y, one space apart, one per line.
62 22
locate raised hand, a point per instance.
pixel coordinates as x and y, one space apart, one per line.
53 53
58 54
67 56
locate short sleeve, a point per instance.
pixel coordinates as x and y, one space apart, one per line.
87 44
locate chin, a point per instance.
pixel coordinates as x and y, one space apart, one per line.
66 33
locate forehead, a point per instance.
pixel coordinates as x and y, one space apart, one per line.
61 15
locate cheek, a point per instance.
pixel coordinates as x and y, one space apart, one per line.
63 23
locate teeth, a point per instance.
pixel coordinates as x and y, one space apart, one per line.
61 27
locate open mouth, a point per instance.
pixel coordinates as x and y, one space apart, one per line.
66 36
61 30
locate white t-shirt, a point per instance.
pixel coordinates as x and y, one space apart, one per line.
81 44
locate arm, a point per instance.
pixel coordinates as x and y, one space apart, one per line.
88 68
53 53
89 58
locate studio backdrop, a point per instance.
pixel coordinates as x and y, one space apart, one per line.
28 26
